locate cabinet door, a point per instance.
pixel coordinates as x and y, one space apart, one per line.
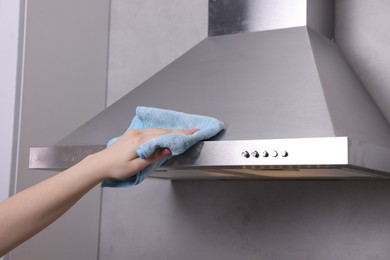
63 85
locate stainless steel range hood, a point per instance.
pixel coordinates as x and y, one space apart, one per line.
292 106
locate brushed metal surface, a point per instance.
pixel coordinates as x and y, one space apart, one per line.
60 157
289 83
301 151
254 174
235 78
304 158
232 16
277 84
284 219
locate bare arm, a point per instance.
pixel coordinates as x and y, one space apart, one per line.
28 212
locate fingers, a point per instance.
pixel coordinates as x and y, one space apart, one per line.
164 152
191 131
164 131
156 132
159 154
138 164
122 159
143 135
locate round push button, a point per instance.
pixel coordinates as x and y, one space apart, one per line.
245 154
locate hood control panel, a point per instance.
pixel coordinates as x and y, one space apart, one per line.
245 154
264 154
288 153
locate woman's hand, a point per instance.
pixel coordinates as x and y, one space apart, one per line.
28 212
121 160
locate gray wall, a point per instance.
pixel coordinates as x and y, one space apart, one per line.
63 84
363 33
250 219
247 220
144 39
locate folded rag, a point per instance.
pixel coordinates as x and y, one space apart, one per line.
149 117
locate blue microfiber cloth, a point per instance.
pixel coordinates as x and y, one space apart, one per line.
149 117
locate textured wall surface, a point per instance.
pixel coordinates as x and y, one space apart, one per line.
315 220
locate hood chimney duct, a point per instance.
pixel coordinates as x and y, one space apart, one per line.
232 16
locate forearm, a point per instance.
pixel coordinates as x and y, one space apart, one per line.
30 211
33 209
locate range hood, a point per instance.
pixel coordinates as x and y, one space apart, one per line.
291 104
